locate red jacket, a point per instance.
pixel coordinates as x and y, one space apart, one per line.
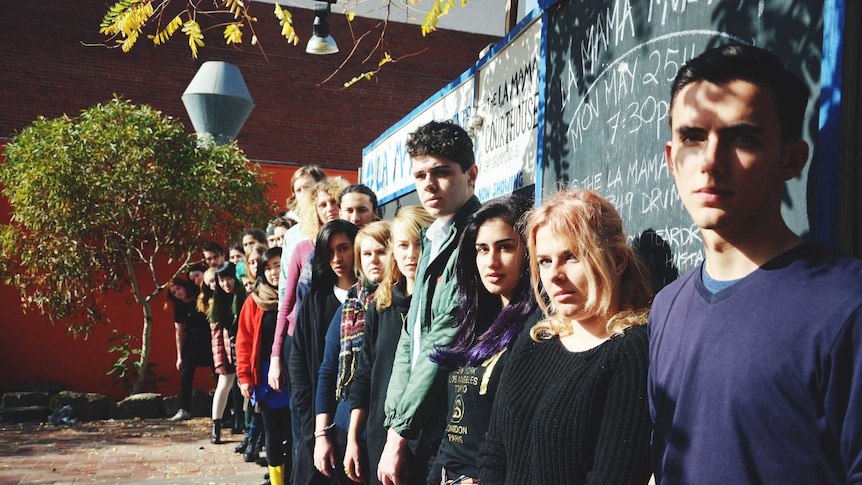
248 343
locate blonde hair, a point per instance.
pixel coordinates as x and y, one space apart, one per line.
307 203
593 231
205 297
254 248
377 230
408 222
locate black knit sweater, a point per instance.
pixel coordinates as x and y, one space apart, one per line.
306 353
373 369
565 417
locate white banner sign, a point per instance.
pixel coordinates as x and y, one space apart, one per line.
386 165
506 144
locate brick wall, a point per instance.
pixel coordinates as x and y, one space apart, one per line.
47 71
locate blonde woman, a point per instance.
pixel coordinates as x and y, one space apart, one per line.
383 322
343 344
572 406
317 205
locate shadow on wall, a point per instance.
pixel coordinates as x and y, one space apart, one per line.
610 65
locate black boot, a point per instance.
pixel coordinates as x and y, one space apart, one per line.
238 424
240 448
252 451
216 434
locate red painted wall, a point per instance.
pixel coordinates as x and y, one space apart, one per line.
35 351
47 71
281 174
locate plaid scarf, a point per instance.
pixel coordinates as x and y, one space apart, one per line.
352 331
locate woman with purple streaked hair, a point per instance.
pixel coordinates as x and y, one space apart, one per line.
572 405
496 304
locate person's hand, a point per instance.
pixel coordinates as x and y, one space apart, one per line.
245 390
392 459
274 377
351 461
324 456
179 363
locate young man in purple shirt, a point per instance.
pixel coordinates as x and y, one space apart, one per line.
755 356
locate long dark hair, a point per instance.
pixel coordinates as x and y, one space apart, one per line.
485 327
322 274
225 306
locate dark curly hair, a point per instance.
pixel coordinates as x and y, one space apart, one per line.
445 139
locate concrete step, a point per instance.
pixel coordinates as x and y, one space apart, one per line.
24 399
24 414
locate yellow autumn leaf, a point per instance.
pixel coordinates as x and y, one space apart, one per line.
285 19
234 7
130 41
196 38
386 59
233 33
163 36
437 10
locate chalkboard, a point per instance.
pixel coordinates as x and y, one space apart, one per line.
609 69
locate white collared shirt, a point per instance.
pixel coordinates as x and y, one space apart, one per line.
436 234
339 293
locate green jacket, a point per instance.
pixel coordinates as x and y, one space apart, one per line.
411 404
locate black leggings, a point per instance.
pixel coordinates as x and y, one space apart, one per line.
187 374
276 423
238 401
188 377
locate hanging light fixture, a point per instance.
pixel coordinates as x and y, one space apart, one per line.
217 101
321 42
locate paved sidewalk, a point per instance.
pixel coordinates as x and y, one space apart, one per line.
133 451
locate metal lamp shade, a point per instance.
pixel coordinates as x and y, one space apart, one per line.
217 101
321 43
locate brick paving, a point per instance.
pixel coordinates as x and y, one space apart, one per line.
124 451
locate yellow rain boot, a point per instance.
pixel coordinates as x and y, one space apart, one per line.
276 475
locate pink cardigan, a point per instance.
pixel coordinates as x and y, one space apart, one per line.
286 315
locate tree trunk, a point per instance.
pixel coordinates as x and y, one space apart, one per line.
145 347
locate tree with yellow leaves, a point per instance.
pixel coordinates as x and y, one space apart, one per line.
127 20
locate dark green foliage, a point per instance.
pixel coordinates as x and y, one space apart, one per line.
106 201
126 369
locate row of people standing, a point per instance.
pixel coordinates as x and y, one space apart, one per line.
485 387
355 381
259 332
749 369
571 393
322 249
207 307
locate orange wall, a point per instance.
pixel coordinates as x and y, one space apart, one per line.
280 174
32 350
49 70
